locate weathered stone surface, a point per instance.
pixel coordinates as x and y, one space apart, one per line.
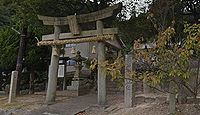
73 25
84 18
53 70
146 88
73 22
13 86
88 33
101 83
129 88
80 87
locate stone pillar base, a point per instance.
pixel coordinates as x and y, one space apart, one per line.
79 86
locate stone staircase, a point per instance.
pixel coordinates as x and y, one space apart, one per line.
113 87
82 85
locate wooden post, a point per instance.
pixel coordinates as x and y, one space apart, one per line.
31 82
13 86
129 88
20 56
101 71
53 70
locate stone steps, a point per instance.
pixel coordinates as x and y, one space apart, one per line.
112 87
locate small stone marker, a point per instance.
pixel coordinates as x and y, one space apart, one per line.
128 91
13 86
146 88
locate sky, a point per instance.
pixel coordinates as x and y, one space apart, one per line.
138 4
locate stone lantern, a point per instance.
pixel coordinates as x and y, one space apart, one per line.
78 59
78 84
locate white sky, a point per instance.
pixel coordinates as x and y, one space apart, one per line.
138 4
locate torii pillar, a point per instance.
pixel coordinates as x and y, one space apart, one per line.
53 69
101 84
78 36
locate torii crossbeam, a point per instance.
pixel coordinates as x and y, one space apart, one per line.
77 36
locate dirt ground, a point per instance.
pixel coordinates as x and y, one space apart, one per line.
152 104
142 109
25 103
144 105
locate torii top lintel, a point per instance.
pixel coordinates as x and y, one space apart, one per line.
83 18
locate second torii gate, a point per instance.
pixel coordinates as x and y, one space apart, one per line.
77 36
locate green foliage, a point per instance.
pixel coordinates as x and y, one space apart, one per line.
170 61
93 64
112 68
135 28
22 12
9 41
69 7
5 12
163 62
192 43
60 7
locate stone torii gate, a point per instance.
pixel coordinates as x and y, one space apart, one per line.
100 35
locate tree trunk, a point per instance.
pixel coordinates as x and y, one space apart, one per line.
182 95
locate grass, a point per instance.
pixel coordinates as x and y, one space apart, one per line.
13 105
26 102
